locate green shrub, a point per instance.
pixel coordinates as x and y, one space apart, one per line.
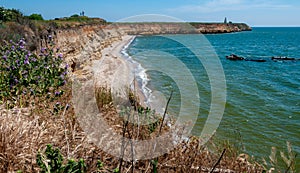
23 73
75 15
10 15
35 17
52 161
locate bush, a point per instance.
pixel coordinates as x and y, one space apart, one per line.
75 15
52 161
35 17
23 73
10 15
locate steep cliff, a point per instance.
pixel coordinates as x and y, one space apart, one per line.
83 43
214 28
180 28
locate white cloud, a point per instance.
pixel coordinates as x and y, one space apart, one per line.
229 5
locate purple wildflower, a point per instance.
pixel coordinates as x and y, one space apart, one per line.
16 81
62 76
4 57
26 61
50 36
57 103
67 66
12 47
60 55
22 41
57 93
22 44
43 50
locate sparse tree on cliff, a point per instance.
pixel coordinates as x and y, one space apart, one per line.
36 17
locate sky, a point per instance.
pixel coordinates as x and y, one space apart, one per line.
252 12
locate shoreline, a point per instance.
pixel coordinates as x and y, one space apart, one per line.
115 64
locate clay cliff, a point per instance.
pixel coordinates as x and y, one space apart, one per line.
215 28
83 43
180 28
94 37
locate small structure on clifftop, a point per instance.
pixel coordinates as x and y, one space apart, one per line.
82 13
225 20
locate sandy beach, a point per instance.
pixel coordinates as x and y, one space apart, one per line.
115 72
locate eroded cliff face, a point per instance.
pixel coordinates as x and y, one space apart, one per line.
215 28
180 28
82 44
90 40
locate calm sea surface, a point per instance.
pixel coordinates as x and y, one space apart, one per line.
263 98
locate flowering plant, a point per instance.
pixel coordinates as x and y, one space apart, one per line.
25 73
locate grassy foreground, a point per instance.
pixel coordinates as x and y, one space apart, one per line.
39 131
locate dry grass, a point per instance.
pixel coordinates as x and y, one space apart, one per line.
24 132
188 156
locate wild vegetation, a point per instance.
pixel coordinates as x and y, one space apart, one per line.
39 131
25 75
14 25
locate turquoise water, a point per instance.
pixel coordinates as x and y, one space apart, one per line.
263 98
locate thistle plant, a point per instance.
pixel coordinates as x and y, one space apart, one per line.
23 73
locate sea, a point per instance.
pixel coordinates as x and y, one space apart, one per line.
262 99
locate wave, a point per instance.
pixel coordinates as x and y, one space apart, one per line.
140 74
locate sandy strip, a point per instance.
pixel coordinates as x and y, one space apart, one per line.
113 70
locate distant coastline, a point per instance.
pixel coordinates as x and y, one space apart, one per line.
153 28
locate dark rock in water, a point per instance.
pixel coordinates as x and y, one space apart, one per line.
234 57
283 58
256 60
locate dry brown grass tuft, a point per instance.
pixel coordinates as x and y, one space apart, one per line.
24 132
188 156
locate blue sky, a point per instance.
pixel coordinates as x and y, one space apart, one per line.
253 12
